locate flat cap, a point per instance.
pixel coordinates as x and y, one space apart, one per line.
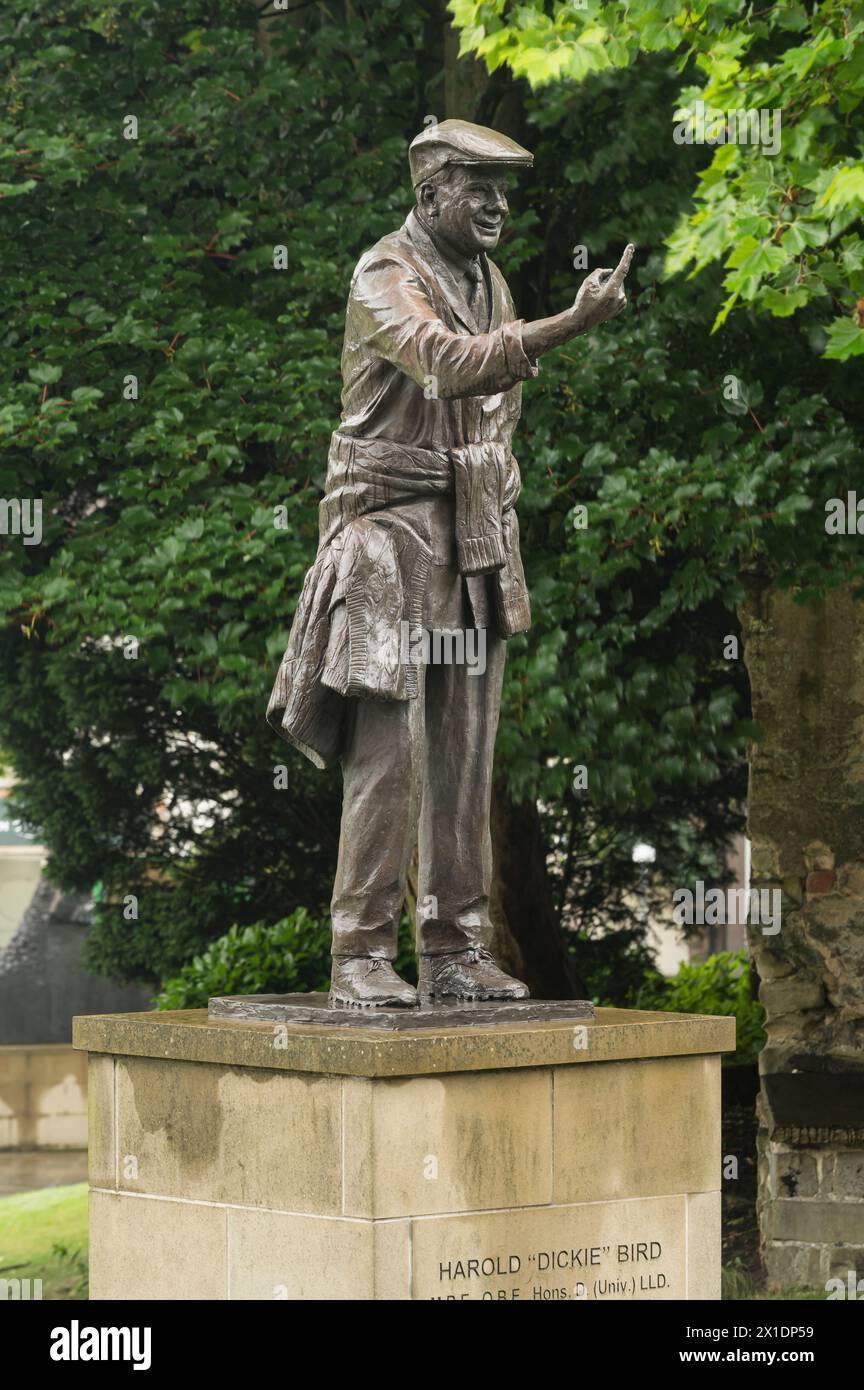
460 142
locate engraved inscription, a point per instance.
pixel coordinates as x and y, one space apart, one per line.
618 1270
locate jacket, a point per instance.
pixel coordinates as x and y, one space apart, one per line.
431 395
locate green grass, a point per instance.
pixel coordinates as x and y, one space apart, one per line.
43 1235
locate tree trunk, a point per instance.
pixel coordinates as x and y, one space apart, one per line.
527 940
465 79
806 824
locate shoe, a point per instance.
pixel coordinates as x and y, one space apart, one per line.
469 974
364 982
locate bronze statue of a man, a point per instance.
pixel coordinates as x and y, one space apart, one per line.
418 533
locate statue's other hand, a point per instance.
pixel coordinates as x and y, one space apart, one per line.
601 295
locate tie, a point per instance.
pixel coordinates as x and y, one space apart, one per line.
475 286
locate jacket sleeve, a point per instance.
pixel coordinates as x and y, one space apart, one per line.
398 322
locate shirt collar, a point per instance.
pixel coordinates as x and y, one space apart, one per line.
447 278
461 265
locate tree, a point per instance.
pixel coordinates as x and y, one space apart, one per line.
141 637
775 92
169 392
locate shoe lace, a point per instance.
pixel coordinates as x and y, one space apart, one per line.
476 954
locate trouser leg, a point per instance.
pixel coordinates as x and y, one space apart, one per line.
382 770
455 843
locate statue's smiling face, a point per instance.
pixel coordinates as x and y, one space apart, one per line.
467 208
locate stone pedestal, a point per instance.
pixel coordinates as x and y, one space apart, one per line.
548 1160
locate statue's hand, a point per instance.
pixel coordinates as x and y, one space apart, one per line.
601 295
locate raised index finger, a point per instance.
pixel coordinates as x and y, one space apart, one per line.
617 276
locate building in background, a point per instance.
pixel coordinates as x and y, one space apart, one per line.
21 861
671 945
43 984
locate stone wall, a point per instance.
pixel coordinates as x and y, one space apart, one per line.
806 824
43 1098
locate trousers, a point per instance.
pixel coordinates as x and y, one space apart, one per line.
420 771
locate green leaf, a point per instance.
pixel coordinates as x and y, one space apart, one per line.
45 373
845 339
